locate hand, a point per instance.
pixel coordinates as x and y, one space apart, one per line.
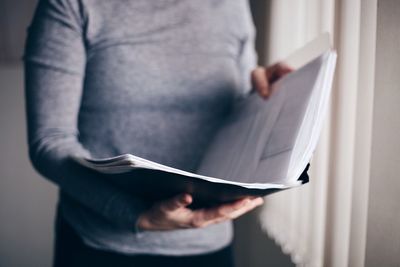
173 213
262 77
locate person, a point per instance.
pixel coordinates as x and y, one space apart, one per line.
151 78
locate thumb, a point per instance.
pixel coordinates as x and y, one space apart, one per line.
260 81
176 202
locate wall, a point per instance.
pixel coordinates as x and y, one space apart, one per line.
383 231
15 15
26 200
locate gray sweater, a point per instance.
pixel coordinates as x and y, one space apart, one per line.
149 77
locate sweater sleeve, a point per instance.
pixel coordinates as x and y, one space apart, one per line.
54 73
248 56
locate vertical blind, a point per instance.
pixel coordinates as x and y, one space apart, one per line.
324 222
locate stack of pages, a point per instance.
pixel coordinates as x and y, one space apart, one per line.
264 146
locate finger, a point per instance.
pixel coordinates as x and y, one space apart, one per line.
283 69
277 71
248 206
260 81
252 205
204 217
221 210
284 66
239 212
176 202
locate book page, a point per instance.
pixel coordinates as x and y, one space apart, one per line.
261 153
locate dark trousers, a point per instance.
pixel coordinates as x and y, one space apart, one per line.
70 251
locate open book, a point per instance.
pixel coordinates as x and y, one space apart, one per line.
262 147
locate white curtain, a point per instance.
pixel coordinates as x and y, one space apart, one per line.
324 222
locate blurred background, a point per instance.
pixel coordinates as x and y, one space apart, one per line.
349 213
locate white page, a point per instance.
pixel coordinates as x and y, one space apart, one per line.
313 120
262 152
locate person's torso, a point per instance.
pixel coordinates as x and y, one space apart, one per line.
160 77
